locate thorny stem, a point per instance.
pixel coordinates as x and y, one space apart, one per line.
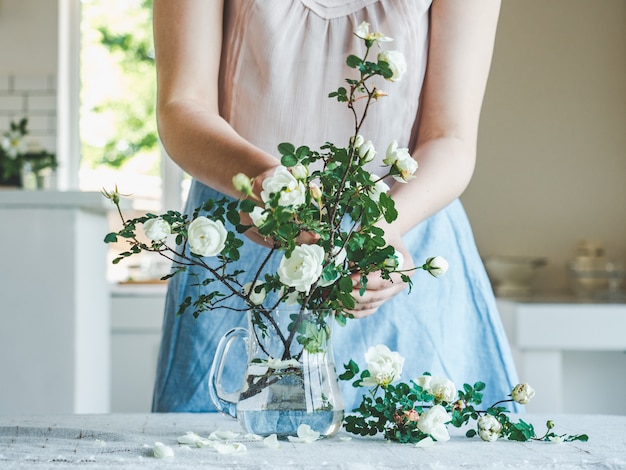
357 127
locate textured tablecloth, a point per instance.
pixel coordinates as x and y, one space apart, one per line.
126 441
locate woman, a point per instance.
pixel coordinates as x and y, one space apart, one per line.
236 78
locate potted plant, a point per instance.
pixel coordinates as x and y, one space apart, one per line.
23 163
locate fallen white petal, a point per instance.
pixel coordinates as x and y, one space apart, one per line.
426 442
345 438
305 435
161 451
189 438
271 441
206 443
100 442
237 447
223 435
252 437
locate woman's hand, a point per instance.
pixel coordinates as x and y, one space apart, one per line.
379 290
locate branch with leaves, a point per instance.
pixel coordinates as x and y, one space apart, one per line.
419 411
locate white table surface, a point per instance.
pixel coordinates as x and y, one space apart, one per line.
124 441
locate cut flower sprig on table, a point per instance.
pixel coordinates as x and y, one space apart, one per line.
327 192
420 411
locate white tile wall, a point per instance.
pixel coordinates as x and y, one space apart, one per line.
33 97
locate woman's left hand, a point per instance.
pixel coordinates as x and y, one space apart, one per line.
379 290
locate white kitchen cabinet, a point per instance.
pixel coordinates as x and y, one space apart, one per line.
54 303
570 352
136 317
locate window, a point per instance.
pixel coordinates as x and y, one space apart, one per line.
118 143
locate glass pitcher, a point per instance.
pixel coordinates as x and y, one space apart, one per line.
290 377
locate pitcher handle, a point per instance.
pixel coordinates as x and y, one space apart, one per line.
224 402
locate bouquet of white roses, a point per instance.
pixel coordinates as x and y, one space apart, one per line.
326 192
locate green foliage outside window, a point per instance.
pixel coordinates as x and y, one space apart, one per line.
118 123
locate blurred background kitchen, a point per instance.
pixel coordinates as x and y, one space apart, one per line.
547 202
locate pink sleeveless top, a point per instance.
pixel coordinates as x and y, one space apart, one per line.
281 58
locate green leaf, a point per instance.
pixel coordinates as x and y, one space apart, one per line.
286 148
351 370
233 217
302 152
353 61
247 205
110 238
289 160
478 386
521 431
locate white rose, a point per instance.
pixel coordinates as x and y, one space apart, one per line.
437 266
522 393
384 366
395 261
358 141
396 62
303 268
393 153
406 165
489 428
433 422
256 298
258 216
292 192
379 187
557 439
367 152
14 144
363 31
206 237
300 171
157 229
442 388
243 184
316 191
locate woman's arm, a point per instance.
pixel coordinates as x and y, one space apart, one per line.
462 35
461 44
188 42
